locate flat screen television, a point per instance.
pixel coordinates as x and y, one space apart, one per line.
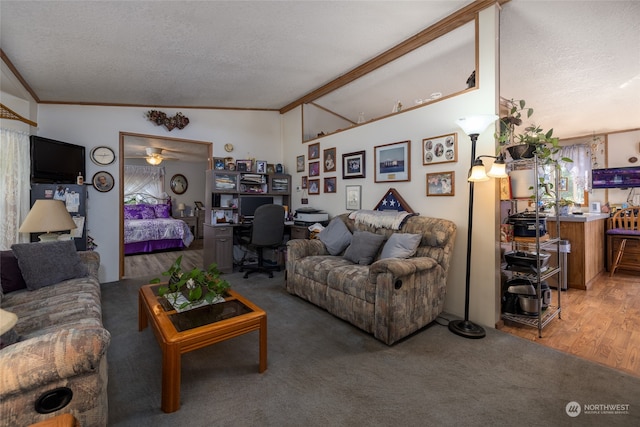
56 161
616 177
249 204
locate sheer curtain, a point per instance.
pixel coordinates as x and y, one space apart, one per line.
580 168
15 163
143 179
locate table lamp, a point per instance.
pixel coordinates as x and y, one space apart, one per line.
47 216
181 208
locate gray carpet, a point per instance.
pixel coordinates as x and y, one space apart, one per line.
324 372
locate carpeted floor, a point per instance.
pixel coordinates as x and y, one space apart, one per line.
324 372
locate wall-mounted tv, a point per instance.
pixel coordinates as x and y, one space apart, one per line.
616 177
56 161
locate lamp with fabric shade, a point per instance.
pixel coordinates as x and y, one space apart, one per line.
7 321
47 216
181 208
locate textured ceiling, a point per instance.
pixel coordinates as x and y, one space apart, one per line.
576 62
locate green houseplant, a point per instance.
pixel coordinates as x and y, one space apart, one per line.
533 141
196 286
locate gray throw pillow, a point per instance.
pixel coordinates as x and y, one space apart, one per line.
401 245
363 248
336 236
48 263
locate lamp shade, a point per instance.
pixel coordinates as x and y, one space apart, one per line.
478 174
47 215
498 170
475 125
181 207
7 321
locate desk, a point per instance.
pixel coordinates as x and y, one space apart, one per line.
218 244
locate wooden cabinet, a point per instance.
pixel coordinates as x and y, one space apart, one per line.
199 223
586 259
218 247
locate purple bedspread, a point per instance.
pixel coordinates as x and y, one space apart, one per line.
168 230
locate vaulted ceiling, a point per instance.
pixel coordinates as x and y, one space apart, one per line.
576 63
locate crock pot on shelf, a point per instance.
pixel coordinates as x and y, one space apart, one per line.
524 224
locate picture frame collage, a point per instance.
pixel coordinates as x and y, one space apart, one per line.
391 163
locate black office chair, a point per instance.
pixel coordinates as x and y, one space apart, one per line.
267 231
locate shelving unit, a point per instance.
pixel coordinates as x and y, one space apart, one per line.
224 193
538 275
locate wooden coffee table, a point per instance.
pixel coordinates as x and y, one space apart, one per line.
179 333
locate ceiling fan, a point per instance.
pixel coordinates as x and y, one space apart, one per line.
154 156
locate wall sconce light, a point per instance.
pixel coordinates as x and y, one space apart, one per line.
472 126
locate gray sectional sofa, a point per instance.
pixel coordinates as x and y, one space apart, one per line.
57 349
390 294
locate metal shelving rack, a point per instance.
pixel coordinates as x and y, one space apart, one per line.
552 311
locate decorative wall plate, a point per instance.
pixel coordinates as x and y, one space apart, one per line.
178 184
228 148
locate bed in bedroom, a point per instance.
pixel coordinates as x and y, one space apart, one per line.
149 227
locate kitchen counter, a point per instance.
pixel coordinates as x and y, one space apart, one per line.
585 217
586 234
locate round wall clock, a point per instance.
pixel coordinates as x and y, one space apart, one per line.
178 184
102 156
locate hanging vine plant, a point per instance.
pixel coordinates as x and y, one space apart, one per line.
160 118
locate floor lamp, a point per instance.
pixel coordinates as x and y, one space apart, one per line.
472 126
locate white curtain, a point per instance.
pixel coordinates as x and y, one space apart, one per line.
15 164
140 180
580 168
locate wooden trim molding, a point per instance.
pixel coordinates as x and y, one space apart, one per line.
451 22
16 73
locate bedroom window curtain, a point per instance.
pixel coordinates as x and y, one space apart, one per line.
143 179
14 185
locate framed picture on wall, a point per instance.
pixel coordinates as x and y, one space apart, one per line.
329 159
440 149
314 168
300 163
314 151
392 162
440 184
353 197
330 185
314 186
304 182
353 165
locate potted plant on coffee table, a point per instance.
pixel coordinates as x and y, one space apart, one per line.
194 288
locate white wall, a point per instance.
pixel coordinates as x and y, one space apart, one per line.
253 133
415 125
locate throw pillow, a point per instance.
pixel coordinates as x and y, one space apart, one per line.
162 211
44 264
401 245
10 274
336 236
363 248
132 212
147 212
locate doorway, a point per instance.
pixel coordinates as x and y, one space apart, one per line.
133 145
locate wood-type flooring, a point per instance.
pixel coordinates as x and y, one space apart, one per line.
601 324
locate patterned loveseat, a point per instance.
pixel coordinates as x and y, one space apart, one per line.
60 351
390 298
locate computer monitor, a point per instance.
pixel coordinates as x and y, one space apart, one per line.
249 204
